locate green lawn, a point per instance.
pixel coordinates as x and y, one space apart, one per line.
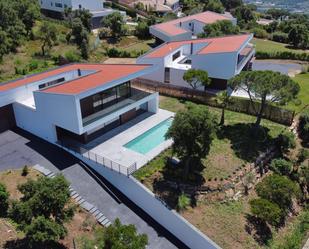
303 81
230 150
271 46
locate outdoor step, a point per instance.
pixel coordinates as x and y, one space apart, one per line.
78 198
105 222
108 224
81 201
94 209
75 195
98 216
50 174
96 212
102 218
87 206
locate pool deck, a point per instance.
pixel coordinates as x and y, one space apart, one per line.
111 144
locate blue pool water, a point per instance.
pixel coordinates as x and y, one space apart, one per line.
150 139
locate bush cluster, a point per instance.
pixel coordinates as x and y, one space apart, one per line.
287 55
119 53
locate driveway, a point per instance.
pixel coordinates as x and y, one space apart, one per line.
18 148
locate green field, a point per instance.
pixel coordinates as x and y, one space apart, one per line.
271 46
303 81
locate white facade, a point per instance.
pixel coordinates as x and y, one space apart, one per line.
187 27
219 65
39 112
60 5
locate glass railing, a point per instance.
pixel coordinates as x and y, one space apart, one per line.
136 95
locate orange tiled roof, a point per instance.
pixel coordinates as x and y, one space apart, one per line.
104 73
224 44
173 27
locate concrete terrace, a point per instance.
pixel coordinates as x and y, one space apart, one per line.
111 144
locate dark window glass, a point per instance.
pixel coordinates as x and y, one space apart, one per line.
176 55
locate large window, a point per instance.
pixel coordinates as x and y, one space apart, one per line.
176 55
104 99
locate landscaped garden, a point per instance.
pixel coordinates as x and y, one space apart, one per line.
38 212
212 196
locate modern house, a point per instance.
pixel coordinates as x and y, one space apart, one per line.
221 57
159 6
76 101
55 8
187 27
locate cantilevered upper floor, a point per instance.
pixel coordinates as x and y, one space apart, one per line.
78 98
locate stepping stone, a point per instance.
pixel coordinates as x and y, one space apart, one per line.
99 216
96 212
78 198
105 222
87 206
81 201
93 210
75 195
101 219
42 169
108 224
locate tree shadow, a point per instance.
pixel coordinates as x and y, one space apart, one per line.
24 244
171 185
258 229
247 143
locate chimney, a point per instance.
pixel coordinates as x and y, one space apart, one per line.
191 47
79 72
180 24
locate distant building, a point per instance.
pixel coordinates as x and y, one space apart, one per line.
222 58
55 8
187 27
159 6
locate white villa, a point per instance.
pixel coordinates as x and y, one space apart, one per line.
187 27
89 107
55 8
222 58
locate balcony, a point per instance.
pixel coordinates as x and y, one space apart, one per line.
135 96
245 56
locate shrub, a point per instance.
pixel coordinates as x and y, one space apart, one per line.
278 189
4 200
303 155
25 171
72 56
259 33
303 127
286 55
266 211
286 141
281 166
33 65
280 37
183 202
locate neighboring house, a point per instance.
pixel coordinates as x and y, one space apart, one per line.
55 8
221 57
77 101
160 6
187 27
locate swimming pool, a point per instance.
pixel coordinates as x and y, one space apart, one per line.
150 139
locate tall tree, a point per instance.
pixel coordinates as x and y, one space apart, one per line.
115 23
196 78
4 200
223 99
265 87
220 28
48 36
192 132
299 36
215 6
231 4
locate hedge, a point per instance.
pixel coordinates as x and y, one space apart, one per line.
283 55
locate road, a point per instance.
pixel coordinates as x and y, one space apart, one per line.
18 148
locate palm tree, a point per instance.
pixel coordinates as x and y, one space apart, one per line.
223 99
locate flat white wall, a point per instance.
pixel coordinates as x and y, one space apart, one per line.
147 201
176 77
33 122
58 109
221 66
74 4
